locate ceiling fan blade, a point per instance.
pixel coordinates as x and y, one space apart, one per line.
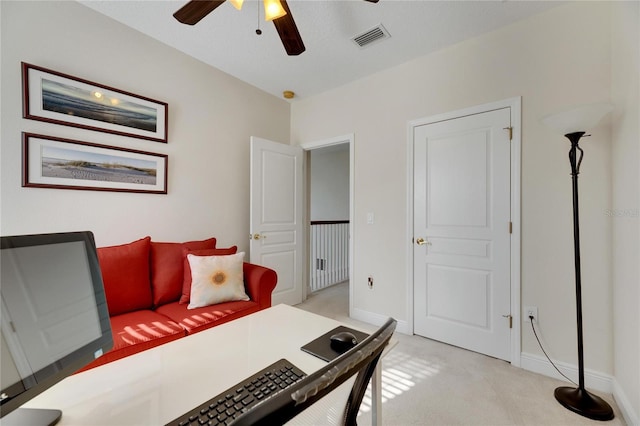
289 33
192 12
372 1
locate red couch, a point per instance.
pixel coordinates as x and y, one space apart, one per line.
143 282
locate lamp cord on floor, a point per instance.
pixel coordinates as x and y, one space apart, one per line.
545 353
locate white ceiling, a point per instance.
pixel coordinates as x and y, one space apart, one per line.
226 38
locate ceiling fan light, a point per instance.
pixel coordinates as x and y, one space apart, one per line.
273 10
237 3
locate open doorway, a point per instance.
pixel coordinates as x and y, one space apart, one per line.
329 216
329 207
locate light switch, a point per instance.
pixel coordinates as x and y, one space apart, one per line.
369 218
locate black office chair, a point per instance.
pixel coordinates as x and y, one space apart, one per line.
361 359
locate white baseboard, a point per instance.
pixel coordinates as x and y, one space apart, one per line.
377 319
592 379
630 416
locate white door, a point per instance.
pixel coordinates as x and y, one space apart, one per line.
276 215
462 232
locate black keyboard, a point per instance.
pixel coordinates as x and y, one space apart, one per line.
225 407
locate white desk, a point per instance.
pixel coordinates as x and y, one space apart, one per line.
160 384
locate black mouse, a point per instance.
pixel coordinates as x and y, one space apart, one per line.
343 341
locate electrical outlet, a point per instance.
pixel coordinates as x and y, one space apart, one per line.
370 219
530 311
370 282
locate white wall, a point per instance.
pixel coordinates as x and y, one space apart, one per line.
625 204
330 183
211 117
557 59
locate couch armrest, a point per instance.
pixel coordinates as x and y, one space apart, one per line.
259 283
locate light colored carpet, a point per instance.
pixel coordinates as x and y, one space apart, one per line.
426 382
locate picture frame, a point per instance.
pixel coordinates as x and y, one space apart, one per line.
52 162
59 98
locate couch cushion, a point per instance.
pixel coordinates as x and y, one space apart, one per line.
216 279
186 283
194 320
138 331
167 262
125 273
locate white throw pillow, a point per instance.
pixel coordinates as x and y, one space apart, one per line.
216 279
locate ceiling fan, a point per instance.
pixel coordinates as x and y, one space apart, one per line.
275 10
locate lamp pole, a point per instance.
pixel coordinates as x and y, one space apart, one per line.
579 400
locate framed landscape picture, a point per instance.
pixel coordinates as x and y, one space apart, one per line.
50 162
62 99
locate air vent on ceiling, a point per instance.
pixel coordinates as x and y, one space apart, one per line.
375 34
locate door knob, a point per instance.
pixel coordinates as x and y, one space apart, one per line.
258 236
422 241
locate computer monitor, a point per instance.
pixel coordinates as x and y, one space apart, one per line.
54 317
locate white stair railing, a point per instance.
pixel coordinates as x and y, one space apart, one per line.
329 253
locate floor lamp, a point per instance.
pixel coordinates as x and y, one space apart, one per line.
573 125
